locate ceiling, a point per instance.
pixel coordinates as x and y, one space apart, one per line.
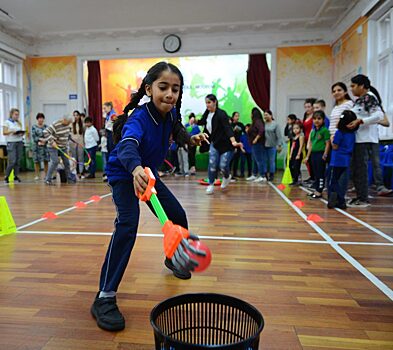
48 20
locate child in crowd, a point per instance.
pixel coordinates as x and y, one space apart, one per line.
296 154
182 156
342 147
238 130
91 143
320 105
104 151
291 119
318 149
245 157
193 129
172 156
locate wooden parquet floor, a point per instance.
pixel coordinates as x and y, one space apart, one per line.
263 252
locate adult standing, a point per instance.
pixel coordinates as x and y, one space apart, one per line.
40 152
273 142
222 142
57 136
343 102
256 137
12 130
369 113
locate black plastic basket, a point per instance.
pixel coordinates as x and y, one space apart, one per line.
206 321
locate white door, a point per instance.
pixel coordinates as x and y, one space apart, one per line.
296 106
54 111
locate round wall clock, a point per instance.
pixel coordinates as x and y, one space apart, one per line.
171 43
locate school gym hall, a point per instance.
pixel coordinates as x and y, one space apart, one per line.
182 175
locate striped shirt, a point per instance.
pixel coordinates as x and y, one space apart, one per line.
336 114
59 133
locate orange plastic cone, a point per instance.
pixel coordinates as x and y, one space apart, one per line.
298 204
315 218
80 204
95 198
49 215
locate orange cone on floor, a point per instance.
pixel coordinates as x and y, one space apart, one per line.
80 204
95 198
298 204
7 223
281 187
315 218
49 215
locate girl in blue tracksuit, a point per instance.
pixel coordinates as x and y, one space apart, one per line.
142 141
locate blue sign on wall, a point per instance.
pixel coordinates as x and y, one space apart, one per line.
73 96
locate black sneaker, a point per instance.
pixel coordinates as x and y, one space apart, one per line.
107 314
352 201
358 204
183 275
17 179
342 206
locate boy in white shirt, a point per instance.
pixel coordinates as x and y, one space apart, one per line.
91 142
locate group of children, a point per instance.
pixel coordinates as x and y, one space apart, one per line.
339 148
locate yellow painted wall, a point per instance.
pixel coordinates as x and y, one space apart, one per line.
49 79
302 71
350 52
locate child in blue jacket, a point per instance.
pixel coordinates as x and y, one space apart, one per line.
142 140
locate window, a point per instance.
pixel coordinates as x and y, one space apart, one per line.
10 90
383 56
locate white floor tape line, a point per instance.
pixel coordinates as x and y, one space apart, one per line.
217 238
354 218
58 213
372 278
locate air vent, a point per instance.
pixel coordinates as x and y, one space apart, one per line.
302 41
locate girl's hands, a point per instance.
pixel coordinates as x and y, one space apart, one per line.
298 157
305 161
199 138
140 180
279 149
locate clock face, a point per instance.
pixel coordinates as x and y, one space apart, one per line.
172 43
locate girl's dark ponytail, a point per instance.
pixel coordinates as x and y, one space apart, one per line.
377 95
122 119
